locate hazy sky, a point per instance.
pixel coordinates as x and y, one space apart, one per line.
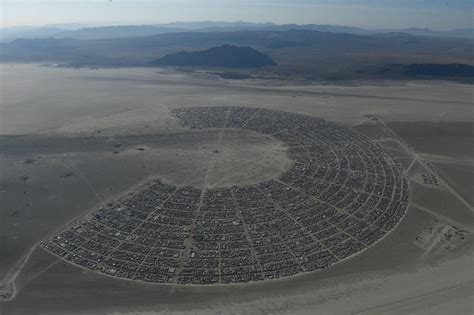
434 14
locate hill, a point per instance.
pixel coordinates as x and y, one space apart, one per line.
429 70
441 70
225 56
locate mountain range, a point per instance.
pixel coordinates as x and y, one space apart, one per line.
101 32
296 52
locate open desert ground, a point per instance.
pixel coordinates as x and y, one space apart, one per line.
74 139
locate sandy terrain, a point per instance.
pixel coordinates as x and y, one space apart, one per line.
72 139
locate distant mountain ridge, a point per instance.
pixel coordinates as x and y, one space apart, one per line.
225 56
121 31
303 53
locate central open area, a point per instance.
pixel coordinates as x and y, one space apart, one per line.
228 157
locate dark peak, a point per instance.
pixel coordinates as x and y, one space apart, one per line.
225 56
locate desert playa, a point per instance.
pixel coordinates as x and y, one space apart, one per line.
75 140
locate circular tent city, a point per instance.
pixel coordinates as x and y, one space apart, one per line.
341 194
